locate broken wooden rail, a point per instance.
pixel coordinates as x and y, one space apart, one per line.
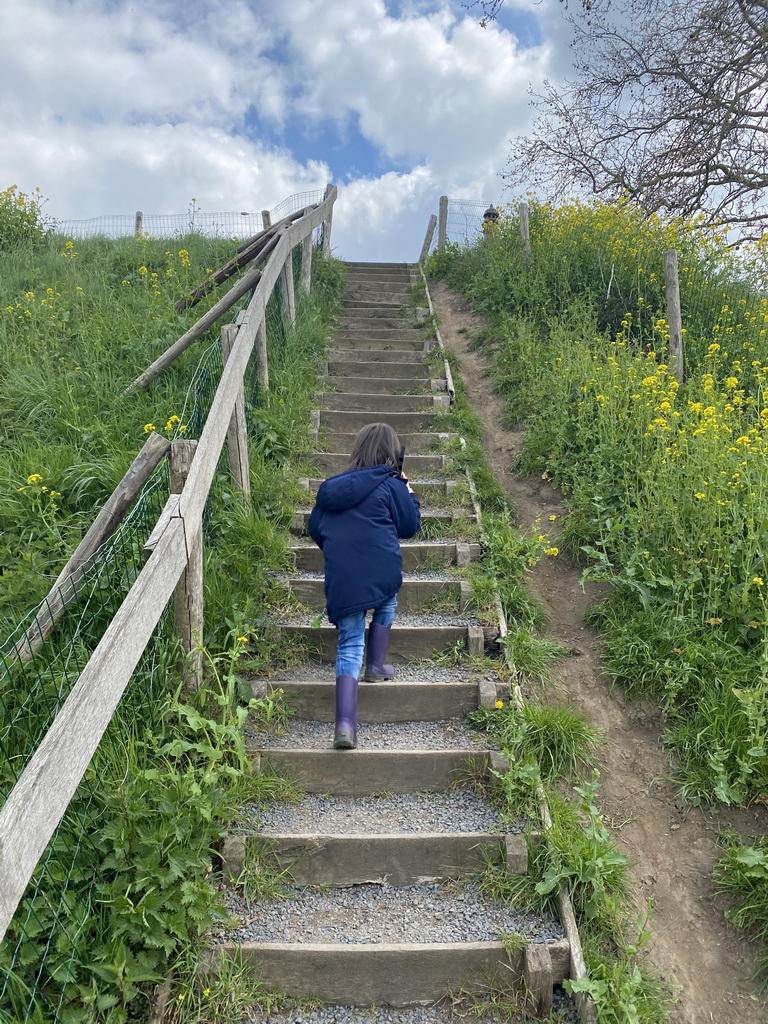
173 568
255 250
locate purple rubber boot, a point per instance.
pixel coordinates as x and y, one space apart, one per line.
345 736
378 642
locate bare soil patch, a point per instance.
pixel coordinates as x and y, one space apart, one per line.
672 848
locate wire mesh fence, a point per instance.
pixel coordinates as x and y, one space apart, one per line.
54 931
211 225
464 223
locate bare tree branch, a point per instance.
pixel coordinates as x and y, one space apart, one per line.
668 104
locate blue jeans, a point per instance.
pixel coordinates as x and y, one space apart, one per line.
351 640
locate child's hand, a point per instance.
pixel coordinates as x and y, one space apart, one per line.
410 489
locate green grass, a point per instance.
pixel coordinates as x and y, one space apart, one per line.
667 484
126 890
742 873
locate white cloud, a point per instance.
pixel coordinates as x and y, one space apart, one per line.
157 168
113 105
430 86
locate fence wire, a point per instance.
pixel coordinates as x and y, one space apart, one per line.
237 225
464 224
53 929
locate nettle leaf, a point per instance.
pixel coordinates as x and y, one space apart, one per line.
754 859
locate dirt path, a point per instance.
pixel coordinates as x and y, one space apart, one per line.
672 849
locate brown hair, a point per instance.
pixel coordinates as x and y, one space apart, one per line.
375 445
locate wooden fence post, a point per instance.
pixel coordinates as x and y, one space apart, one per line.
428 238
327 223
188 595
306 264
262 367
286 289
674 316
266 219
525 234
237 434
442 224
139 223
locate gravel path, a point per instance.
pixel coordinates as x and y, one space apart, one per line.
403 621
454 811
419 672
564 1012
445 734
376 913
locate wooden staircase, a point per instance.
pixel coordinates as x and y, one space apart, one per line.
379 369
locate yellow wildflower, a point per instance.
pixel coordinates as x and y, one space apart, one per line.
148 427
34 478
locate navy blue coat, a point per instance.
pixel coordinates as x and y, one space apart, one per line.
357 521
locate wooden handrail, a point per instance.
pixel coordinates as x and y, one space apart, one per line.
287 236
38 801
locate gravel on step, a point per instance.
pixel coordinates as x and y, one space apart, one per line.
412 577
418 619
455 811
418 672
378 913
472 1010
447 734
426 510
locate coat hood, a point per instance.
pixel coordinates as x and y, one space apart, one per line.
348 489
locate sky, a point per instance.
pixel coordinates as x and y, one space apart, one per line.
111 106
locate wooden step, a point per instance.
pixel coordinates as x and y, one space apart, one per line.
363 772
406 643
378 268
377 291
355 401
354 364
386 385
386 336
413 596
363 343
338 356
338 462
368 974
356 321
415 443
406 858
392 701
448 520
417 555
374 308
338 421
430 490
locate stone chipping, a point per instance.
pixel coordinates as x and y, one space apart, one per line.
457 810
371 913
445 734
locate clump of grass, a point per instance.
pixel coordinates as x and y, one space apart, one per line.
532 655
559 740
742 872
